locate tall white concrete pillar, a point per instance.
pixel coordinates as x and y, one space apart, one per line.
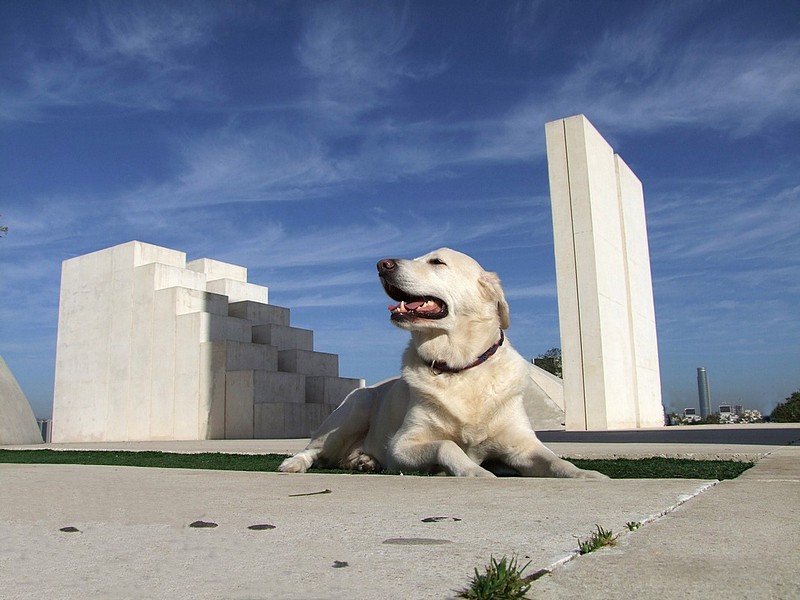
605 295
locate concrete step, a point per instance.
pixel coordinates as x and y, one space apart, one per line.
193 328
246 390
243 356
283 337
330 390
238 291
288 419
186 300
305 362
259 313
216 269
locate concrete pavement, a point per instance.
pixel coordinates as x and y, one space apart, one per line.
367 538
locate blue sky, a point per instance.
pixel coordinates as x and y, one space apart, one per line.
306 140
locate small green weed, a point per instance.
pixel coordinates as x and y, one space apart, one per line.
597 540
633 525
502 581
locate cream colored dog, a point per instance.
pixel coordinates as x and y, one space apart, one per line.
458 403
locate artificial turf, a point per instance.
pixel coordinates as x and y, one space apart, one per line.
619 468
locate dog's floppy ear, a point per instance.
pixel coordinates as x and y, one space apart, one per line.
490 285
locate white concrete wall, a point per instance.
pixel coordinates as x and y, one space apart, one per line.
608 337
152 348
17 421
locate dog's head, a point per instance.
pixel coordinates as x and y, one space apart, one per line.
439 289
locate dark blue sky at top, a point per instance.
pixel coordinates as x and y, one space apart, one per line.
306 140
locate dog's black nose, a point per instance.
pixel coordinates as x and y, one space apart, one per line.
387 264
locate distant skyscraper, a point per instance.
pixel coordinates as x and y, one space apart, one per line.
702 390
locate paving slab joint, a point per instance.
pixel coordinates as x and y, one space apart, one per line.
646 521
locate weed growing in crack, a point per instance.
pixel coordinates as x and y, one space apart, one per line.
502 580
633 525
597 540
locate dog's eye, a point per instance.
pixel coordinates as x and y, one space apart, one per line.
435 261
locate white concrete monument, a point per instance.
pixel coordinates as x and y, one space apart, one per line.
151 347
605 293
17 421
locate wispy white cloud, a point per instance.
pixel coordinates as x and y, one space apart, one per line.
131 56
736 221
354 53
542 290
651 76
154 32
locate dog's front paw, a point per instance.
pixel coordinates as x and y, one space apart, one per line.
294 464
475 471
586 474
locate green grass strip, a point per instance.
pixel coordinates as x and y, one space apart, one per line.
168 460
620 468
664 468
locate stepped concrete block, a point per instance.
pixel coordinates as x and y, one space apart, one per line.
152 414
283 337
17 421
186 300
268 420
135 254
123 292
259 313
194 382
215 269
330 390
150 348
308 363
240 389
237 291
81 384
210 328
158 367
279 387
281 420
213 361
243 356
303 420
165 276
190 331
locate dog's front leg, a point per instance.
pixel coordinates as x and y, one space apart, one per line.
525 453
408 454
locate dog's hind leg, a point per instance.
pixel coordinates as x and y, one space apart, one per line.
335 440
358 460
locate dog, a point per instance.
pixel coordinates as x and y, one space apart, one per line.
457 407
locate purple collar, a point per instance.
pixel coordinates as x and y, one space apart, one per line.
438 367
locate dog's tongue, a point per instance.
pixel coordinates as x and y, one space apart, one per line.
406 306
423 306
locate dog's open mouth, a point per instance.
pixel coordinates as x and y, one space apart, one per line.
424 307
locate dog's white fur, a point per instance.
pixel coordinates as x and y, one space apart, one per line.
432 421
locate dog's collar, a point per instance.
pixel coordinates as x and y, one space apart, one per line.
439 366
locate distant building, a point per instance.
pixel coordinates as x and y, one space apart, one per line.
46 427
703 392
690 414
